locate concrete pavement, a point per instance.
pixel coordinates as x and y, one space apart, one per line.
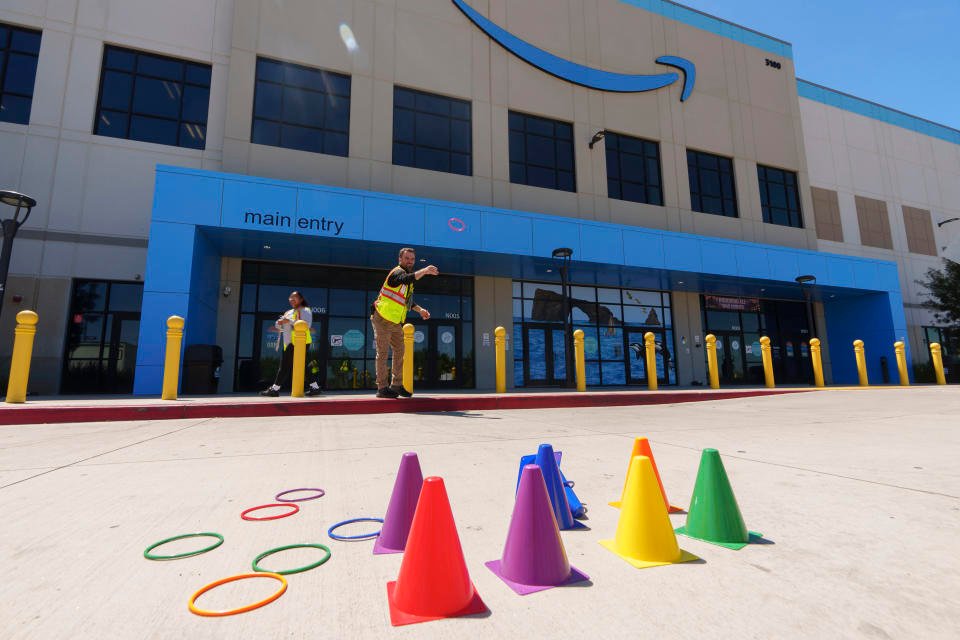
858 490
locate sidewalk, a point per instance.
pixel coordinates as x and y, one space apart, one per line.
109 409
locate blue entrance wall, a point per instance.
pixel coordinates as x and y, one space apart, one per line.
199 216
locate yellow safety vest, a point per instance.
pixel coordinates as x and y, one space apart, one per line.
392 302
296 316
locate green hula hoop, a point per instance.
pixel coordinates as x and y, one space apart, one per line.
270 552
150 556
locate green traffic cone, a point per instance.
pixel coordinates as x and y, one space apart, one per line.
714 516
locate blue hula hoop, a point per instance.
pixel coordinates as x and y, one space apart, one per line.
363 536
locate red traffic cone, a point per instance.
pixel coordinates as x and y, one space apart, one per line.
433 582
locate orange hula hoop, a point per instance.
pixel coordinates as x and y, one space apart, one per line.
249 607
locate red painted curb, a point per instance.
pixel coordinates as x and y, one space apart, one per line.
27 414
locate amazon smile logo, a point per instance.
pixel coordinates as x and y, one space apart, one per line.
581 74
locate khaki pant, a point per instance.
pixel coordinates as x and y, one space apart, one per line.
388 335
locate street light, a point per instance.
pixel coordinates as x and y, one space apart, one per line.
563 254
10 226
943 222
804 280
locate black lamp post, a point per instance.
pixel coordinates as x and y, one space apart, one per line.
563 254
10 226
805 280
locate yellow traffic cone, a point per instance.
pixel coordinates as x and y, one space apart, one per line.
645 537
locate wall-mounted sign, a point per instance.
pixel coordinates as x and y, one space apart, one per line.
578 73
283 222
728 303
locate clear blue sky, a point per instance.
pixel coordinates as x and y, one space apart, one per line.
903 54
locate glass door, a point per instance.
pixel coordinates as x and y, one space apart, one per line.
545 364
122 352
446 356
730 358
637 374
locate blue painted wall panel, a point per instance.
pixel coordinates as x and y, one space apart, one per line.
682 253
453 227
840 273
201 208
752 262
784 265
154 311
552 234
642 249
506 233
601 244
717 257
169 257
397 221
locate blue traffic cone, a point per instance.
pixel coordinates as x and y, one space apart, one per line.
577 508
547 461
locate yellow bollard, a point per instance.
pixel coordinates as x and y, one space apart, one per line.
861 355
171 363
579 364
650 343
936 354
712 368
817 362
901 352
299 340
500 358
407 357
23 337
767 362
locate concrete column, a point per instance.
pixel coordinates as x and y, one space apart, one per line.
688 327
493 307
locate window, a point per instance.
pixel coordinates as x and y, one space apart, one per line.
874 223
541 152
614 322
297 107
711 184
779 197
431 132
153 98
633 169
826 214
19 50
919 231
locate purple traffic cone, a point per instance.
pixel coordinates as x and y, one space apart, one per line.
533 557
547 461
403 504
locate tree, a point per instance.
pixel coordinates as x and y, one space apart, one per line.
944 293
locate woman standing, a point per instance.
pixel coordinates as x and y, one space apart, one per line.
299 310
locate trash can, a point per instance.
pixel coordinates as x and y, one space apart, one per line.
201 369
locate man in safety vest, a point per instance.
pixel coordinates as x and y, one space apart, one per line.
389 314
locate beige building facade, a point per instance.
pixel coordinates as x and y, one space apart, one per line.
98 192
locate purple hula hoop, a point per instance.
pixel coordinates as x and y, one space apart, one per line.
320 494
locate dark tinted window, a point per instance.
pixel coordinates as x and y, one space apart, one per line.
633 169
541 152
432 132
299 107
711 184
19 50
153 98
779 196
